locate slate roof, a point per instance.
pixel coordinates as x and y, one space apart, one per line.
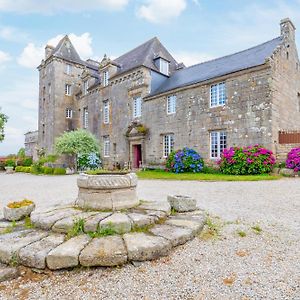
144 55
246 59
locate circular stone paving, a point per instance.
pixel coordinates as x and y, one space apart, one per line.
68 236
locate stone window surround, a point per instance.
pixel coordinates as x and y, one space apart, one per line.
171 104
68 89
137 106
218 97
69 113
106 109
106 146
220 142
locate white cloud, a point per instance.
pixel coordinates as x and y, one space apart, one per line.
12 34
32 55
192 58
161 11
55 6
4 57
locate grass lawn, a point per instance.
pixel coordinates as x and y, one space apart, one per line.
160 174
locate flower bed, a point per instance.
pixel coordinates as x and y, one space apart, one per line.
185 160
249 160
293 160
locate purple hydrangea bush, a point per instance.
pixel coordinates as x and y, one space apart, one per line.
249 160
185 160
293 160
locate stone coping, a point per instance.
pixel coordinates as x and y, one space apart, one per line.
47 246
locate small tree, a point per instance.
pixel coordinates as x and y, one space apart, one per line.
3 120
76 143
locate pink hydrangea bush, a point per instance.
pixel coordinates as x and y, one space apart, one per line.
293 160
246 160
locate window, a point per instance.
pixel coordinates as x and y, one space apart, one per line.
163 66
106 146
218 94
68 89
85 118
218 142
168 144
137 106
68 69
171 104
69 113
85 87
105 78
106 112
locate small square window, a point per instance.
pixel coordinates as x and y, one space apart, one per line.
69 113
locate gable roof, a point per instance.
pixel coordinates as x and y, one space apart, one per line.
246 59
145 55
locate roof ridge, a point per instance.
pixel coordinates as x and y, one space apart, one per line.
151 40
228 55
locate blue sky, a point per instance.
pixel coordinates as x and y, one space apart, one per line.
192 30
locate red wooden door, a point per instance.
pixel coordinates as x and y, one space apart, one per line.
137 155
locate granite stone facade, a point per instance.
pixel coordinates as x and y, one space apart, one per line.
262 91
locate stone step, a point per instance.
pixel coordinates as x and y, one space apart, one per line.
66 255
9 248
92 223
141 246
156 205
141 219
34 255
195 226
176 235
105 251
118 221
8 273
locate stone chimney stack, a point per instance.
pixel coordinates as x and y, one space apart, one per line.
48 51
287 29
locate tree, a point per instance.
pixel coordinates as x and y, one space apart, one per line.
78 142
21 153
3 120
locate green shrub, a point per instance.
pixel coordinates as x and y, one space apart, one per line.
59 171
48 170
27 162
10 163
26 169
249 160
19 169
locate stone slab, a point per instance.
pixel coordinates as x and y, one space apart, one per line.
66 255
182 203
64 225
176 235
141 219
122 199
197 216
119 221
141 246
105 251
9 248
34 255
95 199
92 223
47 220
163 206
195 226
8 273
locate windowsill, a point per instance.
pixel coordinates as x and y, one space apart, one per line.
172 113
106 123
106 156
215 106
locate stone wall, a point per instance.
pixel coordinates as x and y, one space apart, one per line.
31 142
283 150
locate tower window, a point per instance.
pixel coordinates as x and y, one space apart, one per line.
68 89
69 113
85 118
85 87
105 78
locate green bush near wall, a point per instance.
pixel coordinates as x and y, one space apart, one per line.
59 171
48 170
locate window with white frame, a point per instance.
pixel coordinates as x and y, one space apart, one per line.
68 89
106 112
68 69
168 141
137 107
69 113
218 142
218 94
85 87
85 118
171 104
164 66
106 146
105 78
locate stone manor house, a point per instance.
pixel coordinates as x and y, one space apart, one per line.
144 104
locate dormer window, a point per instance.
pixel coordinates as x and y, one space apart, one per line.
85 87
105 78
163 66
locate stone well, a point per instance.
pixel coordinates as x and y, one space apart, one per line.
111 191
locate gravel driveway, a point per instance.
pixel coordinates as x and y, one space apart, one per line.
262 265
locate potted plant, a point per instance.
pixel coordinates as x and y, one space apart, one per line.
9 166
18 210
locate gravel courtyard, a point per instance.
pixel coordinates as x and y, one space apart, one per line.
264 264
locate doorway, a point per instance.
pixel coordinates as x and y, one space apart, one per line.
137 155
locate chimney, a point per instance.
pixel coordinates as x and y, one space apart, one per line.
287 29
48 51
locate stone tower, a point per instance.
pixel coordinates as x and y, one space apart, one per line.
59 77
